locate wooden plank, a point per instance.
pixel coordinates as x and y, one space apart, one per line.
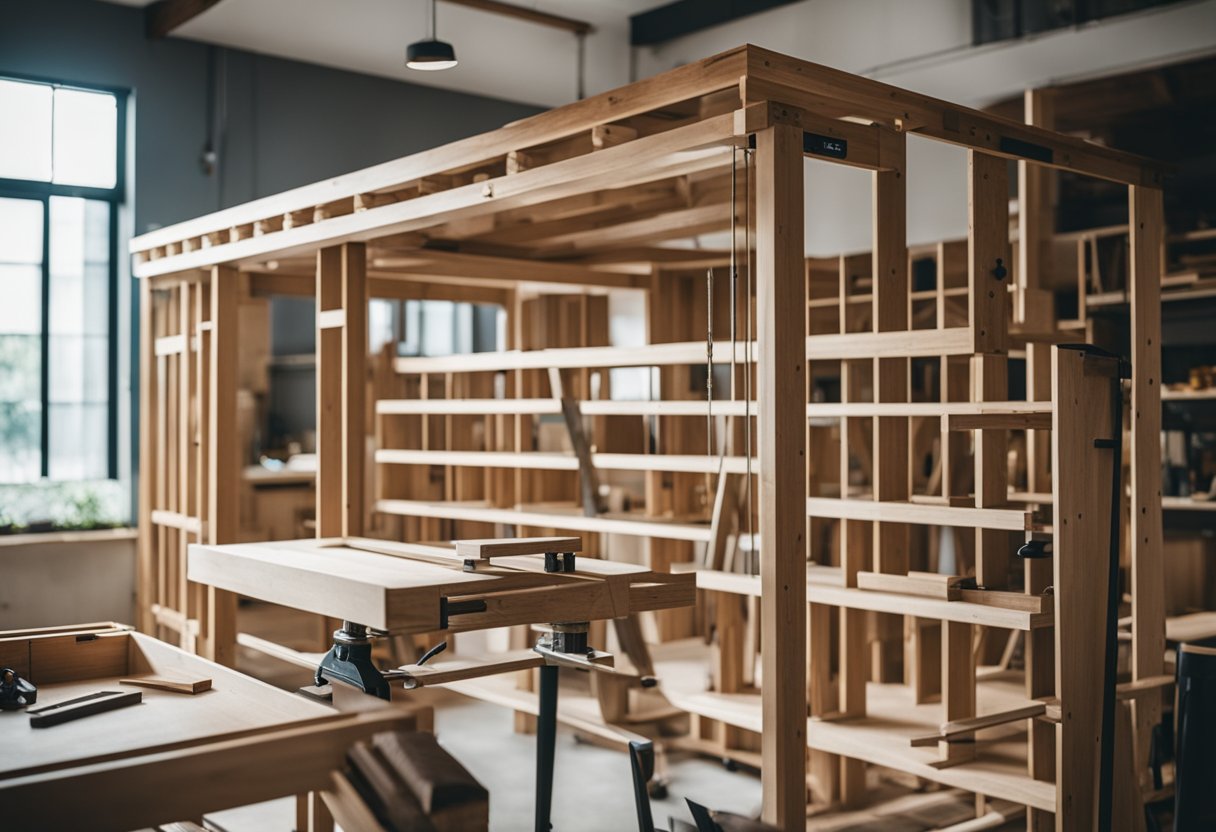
962 612
1009 519
958 683
1037 420
958 728
510 270
961 415
1081 537
547 519
652 355
682 150
330 514
927 584
190 686
782 397
684 463
354 385
867 345
822 86
145 588
218 637
990 270
492 548
1147 223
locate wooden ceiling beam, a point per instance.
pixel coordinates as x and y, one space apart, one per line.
576 27
164 16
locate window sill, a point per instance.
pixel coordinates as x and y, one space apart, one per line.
90 536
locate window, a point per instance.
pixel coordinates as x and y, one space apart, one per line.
996 20
61 181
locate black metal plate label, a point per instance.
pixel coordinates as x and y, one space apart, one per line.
825 146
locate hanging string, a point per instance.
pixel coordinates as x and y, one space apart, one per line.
709 374
747 358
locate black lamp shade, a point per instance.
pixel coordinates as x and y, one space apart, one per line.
430 55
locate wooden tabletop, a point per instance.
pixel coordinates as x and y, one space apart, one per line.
171 757
406 587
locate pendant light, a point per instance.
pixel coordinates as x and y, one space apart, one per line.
432 54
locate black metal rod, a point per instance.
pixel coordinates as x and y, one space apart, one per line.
546 738
1107 750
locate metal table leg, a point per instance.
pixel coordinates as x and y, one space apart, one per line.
546 737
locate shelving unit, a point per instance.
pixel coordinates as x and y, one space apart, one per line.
854 381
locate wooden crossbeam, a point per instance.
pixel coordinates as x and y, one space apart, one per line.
164 16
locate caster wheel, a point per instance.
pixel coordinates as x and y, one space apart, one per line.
729 764
657 791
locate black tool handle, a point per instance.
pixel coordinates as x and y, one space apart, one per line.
94 703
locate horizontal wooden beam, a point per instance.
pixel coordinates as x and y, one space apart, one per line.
1009 519
549 518
677 463
652 355
681 150
505 270
164 16
554 21
689 81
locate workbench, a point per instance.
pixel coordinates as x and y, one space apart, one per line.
171 757
405 588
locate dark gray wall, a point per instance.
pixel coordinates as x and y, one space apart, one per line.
284 124
288 123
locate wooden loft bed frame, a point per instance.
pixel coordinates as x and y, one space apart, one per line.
576 197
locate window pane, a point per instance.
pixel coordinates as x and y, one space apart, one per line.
86 138
20 229
20 408
80 269
20 299
79 368
25 131
78 441
20 368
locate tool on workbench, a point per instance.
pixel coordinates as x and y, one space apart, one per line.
15 692
190 686
82 706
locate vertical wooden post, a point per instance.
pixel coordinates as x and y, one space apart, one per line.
341 388
223 494
1036 221
891 298
782 397
1082 504
1146 223
988 279
146 585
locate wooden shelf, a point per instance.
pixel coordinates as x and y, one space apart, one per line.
963 612
681 463
825 586
1168 395
543 407
1187 504
883 736
549 516
572 358
1008 519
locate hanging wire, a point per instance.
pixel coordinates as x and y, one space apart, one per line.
747 346
709 372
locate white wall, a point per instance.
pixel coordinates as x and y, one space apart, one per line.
50 580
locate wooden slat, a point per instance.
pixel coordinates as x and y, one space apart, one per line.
685 463
547 518
1009 519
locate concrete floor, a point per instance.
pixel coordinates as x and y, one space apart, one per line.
592 785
